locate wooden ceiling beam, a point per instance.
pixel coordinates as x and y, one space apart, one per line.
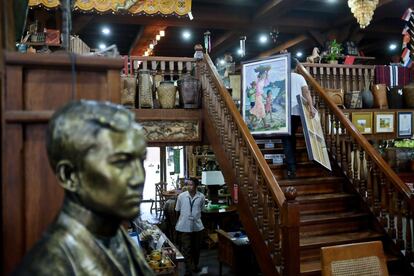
285 45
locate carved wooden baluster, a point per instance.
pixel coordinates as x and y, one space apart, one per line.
145 65
408 237
259 201
265 230
391 208
153 73
162 67
171 69
332 133
180 69
322 81
338 142
335 78
328 78
361 76
349 156
341 79
362 178
355 165
377 191
277 234
189 66
271 221
401 211
343 149
384 202
347 80
369 200
355 85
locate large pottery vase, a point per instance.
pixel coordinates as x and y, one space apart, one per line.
145 89
395 98
189 91
166 94
367 98
409 95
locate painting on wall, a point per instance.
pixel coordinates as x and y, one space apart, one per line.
405 124
314 138
384 122
363 121
266 95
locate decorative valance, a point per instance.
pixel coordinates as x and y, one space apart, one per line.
166 7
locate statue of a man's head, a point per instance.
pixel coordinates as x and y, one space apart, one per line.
97 151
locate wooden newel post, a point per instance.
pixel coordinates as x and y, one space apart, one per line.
290 233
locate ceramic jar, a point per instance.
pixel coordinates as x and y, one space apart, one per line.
395 97
166 94
189 91
367 98
128 91
409 95
145 89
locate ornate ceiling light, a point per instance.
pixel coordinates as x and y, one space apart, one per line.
363 10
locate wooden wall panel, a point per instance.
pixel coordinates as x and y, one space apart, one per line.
36 85
13 196
44 193
41 93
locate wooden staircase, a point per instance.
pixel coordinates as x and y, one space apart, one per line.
330 214
288 221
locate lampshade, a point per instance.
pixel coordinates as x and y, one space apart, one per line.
212 178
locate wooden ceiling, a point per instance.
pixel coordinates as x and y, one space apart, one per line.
302 24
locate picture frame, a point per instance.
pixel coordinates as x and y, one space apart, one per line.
363 122
313 133
266 95
405 124
384 122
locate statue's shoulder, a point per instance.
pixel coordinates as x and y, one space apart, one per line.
48 256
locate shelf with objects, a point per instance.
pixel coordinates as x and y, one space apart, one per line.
161 253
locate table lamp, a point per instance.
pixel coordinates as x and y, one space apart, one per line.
213 180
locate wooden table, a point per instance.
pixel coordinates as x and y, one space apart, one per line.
237 253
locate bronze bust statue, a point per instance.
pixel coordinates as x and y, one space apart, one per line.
97 152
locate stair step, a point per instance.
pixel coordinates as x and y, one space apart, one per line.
333 223
279 149
326 203
303 169
343 238
314 185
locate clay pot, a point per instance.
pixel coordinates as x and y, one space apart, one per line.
145 89
367 98
409 95
166 94
189 91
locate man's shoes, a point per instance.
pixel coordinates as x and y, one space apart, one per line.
291 174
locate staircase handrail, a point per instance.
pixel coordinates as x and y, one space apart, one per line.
361 140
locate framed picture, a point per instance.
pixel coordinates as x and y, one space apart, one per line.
405 124
384 122
266 95
314 138
363 121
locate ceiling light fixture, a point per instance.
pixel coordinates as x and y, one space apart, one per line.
263 39
186 35
102 46
363 10
106 31
299 54
392 46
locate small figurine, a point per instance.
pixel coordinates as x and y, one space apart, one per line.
314 57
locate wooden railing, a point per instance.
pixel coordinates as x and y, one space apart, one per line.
270 216
388 197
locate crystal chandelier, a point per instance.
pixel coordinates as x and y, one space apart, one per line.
363 10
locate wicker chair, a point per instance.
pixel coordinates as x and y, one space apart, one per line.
354 259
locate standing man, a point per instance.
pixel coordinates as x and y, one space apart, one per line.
298 87
97 152
189 225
